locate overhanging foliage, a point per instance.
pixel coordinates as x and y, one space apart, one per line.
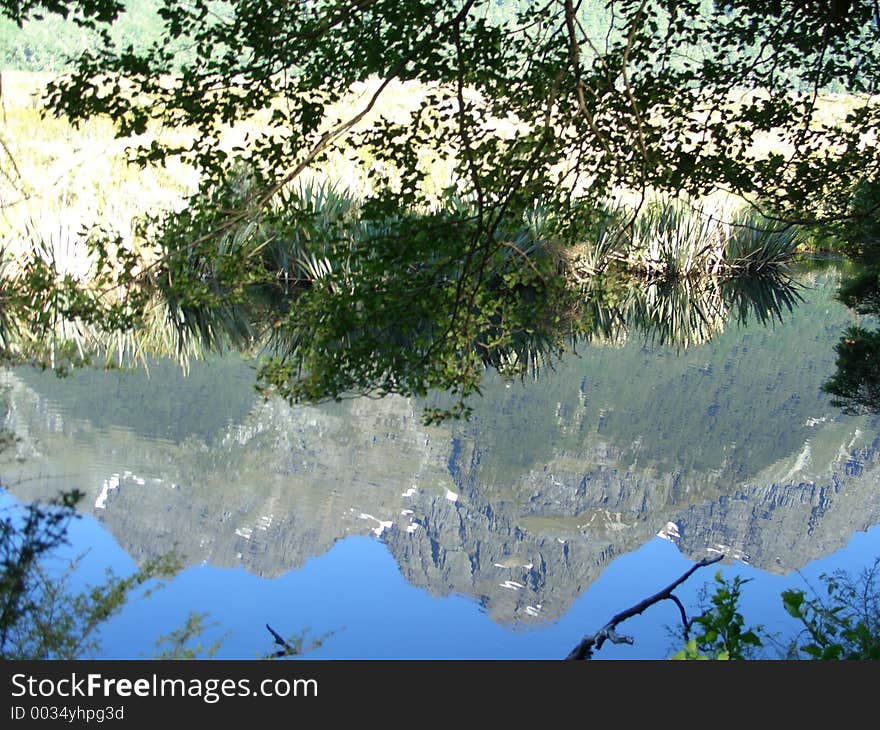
556 106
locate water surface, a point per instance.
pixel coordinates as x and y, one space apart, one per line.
566 498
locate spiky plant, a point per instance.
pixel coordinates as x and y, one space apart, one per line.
317 224
674 240
610 240
757 246
678 313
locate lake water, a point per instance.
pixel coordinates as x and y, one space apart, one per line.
565 499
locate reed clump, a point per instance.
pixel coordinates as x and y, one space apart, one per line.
670 239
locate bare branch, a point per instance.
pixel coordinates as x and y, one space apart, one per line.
593 642
285 650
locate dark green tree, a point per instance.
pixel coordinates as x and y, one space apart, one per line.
40 616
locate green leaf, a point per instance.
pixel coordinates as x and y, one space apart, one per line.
792 600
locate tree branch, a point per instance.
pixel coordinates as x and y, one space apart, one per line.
593 642
285 650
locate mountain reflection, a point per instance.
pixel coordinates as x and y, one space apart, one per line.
709 428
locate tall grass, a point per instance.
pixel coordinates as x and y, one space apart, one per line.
670 239
755 247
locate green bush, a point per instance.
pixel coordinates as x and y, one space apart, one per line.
40 616
842 622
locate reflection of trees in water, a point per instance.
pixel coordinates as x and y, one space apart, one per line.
681 313
677 313
343 300
855 385
577 485
341 305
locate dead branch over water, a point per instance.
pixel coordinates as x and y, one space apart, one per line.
594 642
